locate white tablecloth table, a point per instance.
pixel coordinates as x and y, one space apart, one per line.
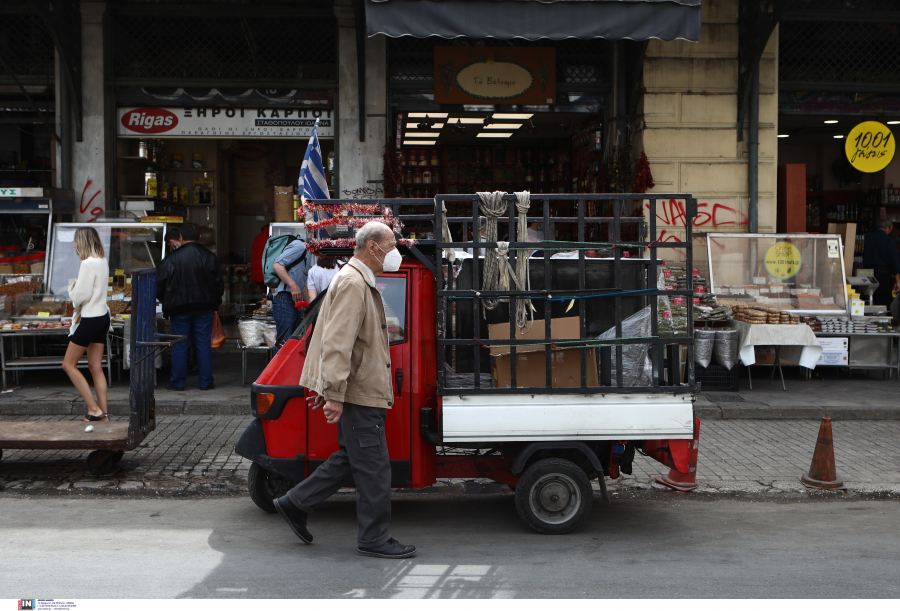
797 343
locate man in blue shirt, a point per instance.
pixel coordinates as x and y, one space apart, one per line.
292 267
880 253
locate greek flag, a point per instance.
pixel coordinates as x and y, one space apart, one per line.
312 173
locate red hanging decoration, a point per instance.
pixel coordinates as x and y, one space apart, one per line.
393 173
643 179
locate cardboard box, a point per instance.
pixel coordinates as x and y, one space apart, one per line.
834 344
847 231
284 204
764 355
531 360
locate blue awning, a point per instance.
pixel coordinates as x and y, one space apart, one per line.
536 19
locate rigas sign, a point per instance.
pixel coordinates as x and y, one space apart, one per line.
224 122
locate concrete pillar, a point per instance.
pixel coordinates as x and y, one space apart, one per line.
360 162
90 158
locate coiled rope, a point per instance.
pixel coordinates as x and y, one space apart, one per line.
523 277
497 268
493 207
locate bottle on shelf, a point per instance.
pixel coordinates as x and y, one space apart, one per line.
434 157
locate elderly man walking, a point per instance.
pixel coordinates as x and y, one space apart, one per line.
349 366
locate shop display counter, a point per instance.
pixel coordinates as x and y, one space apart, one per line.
800 273
30 316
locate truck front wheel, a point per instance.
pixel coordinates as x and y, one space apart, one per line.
265 486
554 496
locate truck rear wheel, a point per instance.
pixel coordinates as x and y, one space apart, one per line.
554 496
265 486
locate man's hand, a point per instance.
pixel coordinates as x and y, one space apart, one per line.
296 292
315 401
333 411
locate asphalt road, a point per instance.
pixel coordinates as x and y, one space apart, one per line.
470 546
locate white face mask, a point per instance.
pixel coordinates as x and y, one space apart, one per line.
392 260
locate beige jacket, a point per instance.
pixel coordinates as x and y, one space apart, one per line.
349 358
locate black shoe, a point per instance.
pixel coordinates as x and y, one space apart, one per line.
170 387
295 518
210 387
391 549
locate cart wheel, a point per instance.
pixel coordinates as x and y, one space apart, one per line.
100 462
554 496
265 487
117 456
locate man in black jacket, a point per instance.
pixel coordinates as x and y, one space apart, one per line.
189 284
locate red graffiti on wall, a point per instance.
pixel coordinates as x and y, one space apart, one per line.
673 214
82 206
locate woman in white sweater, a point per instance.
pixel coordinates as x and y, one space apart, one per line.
90 323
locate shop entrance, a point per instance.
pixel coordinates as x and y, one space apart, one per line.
224 185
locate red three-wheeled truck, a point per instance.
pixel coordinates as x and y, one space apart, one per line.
531 379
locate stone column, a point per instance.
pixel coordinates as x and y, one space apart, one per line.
360 162
90 157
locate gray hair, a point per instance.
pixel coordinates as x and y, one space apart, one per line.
884 224
373 231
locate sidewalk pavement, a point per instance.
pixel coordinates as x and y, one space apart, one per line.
194 456
842 395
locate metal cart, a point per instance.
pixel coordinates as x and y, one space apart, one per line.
109 440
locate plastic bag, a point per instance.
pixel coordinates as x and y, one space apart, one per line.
269 333
636 365
218 332
704 343
251 331
725 352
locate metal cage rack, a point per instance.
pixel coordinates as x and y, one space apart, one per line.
596 297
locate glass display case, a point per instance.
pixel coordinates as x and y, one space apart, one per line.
129 247
803 273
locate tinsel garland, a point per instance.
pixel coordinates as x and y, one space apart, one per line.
340 209
352 221
314 246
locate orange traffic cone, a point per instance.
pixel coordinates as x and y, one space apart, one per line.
822 471
685 482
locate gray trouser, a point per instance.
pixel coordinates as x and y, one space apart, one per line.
363 453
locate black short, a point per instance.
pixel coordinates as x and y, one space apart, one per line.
91 331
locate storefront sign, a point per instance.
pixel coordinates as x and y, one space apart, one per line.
783 260
870 146
10 192
224 122
509 75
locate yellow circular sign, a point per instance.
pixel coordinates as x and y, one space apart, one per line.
783 260
870 146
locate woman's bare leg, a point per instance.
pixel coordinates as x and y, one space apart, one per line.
95 365
70 366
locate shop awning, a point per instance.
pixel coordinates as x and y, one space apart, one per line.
535 19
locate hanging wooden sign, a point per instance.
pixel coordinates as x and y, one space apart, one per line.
488 75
